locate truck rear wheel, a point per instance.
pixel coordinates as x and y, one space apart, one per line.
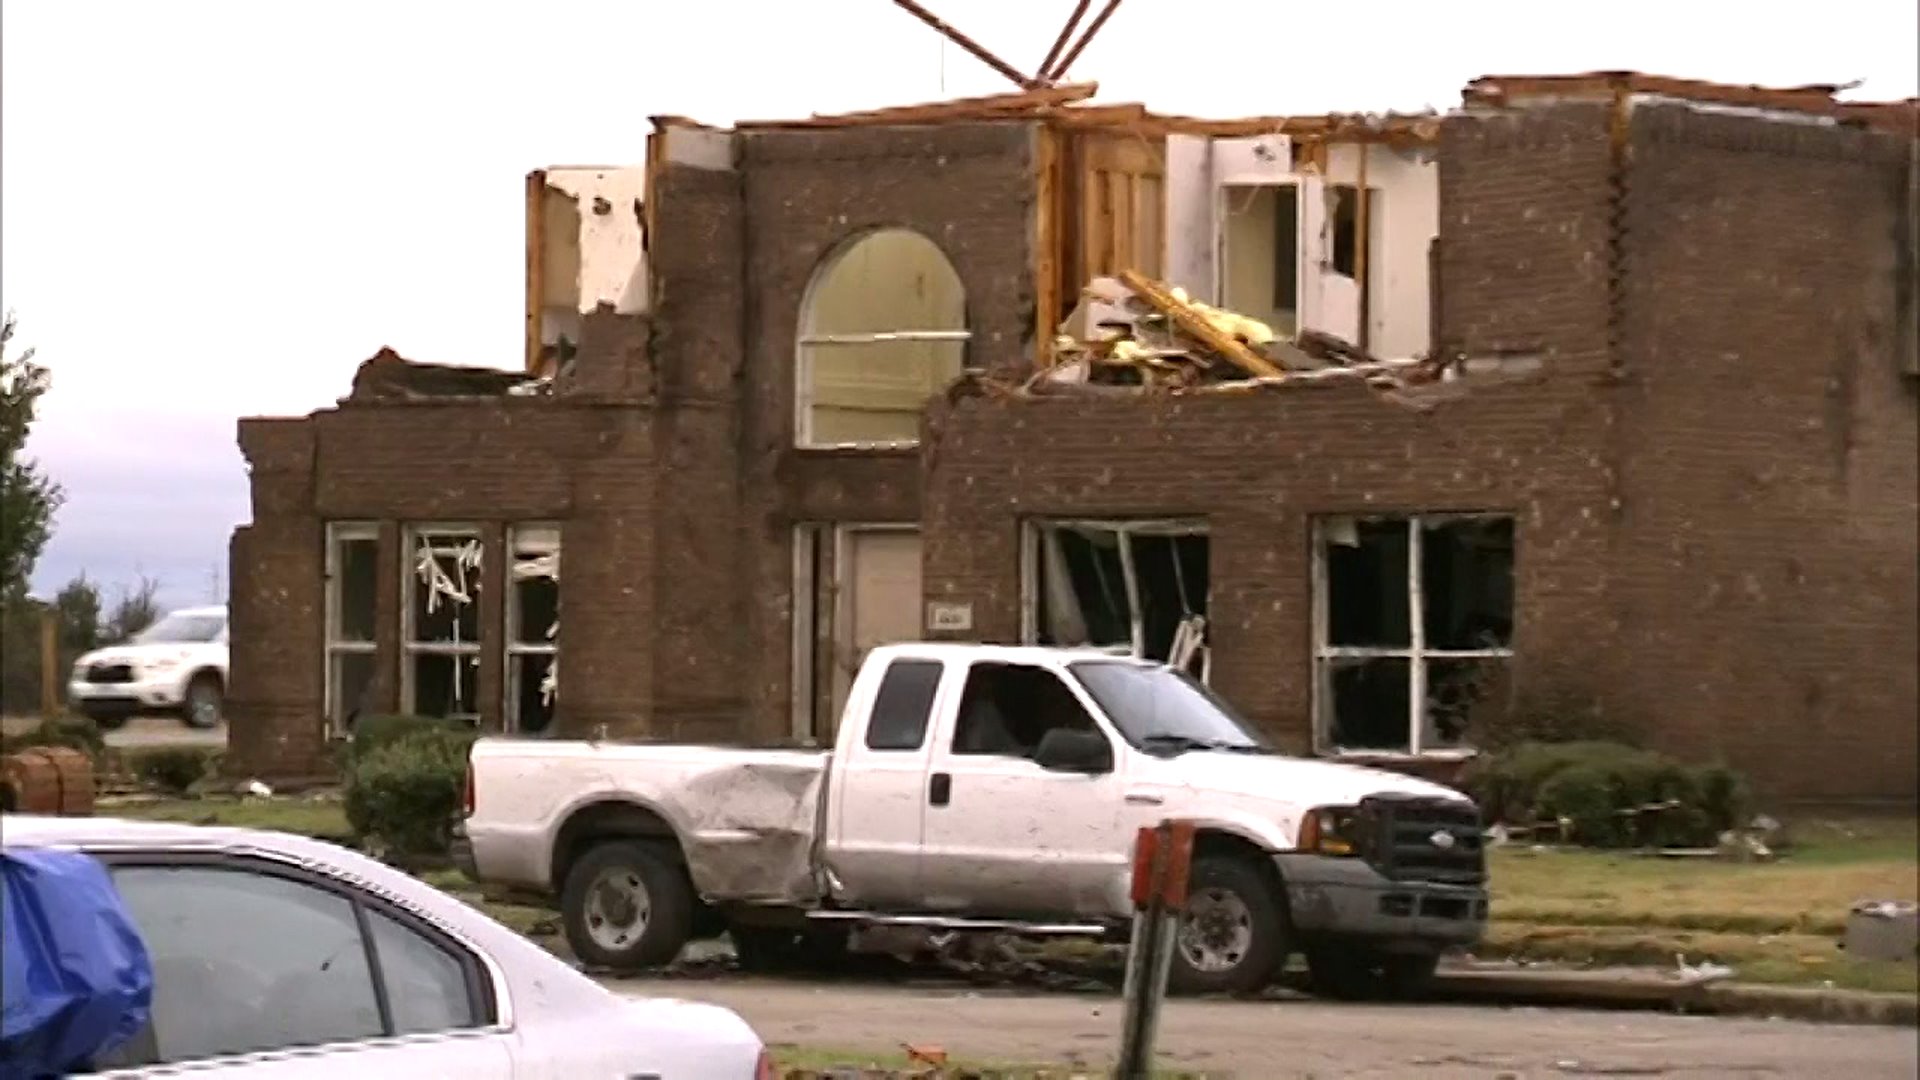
625 907
1358 973
1235 934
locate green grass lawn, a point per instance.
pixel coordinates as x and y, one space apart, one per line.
1774 922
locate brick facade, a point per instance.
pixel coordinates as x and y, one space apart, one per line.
1712 472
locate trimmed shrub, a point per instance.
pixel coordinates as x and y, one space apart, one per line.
77 732
175 770
370 733
403 792
1602 790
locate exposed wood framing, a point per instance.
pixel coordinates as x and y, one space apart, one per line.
1026 103
1194 325
1362 240
967 43
1080 46
1060 42
1117 184
536 193
1049 241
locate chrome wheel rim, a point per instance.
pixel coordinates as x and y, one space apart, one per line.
618 908
1217 934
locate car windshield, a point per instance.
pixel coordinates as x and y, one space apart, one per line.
181 629
1161 710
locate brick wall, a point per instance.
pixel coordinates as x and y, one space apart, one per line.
1766 564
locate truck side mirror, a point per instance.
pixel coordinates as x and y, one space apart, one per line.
1074 750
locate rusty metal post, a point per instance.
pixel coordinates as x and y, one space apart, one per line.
1162 857
49 662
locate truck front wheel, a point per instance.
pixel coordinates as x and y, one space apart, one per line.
1234 937
625 907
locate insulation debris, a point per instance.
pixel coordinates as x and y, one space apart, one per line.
1132 331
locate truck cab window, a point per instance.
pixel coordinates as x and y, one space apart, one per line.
1007 708
901 706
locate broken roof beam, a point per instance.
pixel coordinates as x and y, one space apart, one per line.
1501 90
967 43
991 107
1197 326
1066 62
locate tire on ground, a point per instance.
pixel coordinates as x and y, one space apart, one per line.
1254 967
204 683
1358 973
669 920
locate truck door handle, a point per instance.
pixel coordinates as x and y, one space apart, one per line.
940 789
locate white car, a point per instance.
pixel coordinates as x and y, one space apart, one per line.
278 956
178 665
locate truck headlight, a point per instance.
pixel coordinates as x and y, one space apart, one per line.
1329 830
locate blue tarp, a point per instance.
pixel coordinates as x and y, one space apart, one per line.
77 981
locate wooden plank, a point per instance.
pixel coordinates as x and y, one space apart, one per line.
936 111
536 298
1048 306
1190 321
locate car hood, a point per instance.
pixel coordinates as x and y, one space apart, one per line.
135 654
1301 782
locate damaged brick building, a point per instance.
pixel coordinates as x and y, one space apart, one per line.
1618 434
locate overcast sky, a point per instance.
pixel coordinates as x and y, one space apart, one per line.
214 209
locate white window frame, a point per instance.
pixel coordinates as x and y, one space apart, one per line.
1033 529
808 340
409 578
1416 652
512 647
337 534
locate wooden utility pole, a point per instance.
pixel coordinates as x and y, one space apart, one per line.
1162 859
49 662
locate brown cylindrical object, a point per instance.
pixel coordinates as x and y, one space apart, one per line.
48 780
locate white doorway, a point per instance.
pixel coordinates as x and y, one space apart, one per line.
855 586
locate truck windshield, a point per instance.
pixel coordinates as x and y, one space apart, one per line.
1161 710
181 629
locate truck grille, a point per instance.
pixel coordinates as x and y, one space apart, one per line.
110 673
1415 839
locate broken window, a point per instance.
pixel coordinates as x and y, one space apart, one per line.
884 328
1260 253
352 593
1415 629
1007 708
533 627
1135 587
441 672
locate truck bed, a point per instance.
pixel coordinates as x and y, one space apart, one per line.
747 817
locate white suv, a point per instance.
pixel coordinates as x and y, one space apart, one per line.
177 665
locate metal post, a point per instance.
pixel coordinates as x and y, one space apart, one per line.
49 662
1162 857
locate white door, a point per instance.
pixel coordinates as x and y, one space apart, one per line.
878 794
1329 301
879 601
1004 836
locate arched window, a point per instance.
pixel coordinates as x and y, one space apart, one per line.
882 329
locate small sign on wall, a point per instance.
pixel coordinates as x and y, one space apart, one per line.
949 617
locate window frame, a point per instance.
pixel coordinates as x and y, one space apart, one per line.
1097 720
1416 652
512 649
411 649
1033 537
806 341
485 981
929 716
333 647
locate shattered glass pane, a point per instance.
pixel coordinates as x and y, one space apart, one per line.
1170 573
536 586
532 703
446 588
356 587
1367 568
1367 700
349 675
1082 592
446 685
1463 696
1466 576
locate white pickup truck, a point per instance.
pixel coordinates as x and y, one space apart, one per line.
981 788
